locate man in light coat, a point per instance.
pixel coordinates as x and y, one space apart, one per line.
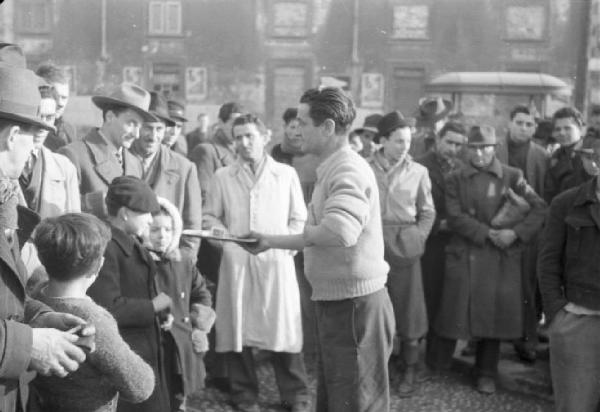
258 300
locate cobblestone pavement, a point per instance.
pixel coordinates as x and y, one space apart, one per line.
446 393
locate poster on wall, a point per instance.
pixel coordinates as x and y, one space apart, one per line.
411 22
195 83
132 74
371 90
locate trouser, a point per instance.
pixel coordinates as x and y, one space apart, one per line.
575 362
355 343
487 356
439 351
290 376
309 329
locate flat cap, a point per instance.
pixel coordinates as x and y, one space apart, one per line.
132 193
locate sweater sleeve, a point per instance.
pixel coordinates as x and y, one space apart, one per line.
130 375
346 210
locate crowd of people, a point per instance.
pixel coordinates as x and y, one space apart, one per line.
348 248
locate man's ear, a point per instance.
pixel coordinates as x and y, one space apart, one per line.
11 138
328 127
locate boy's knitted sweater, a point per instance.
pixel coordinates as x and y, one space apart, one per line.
112 369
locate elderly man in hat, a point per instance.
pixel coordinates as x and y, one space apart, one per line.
482 286
174 138
431 116
569 274
408 214
27 338
102 155
126 286
367 132
168 173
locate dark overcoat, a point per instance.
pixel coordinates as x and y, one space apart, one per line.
97 166
482 287
125 287
186 286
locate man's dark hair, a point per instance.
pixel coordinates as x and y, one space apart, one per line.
228 109
25 127
330 103
290 114
249 118
452 126
116 109
520 109
71 245
569 112
543 131
52 74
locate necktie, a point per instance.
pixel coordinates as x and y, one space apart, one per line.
25 177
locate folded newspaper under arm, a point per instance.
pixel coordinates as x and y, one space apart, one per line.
217 234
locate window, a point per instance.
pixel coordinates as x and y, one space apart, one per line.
34 16
411 22
527 22
289 19
164 17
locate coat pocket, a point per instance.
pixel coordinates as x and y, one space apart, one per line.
403 244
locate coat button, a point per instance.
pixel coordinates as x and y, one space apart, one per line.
182 295
186 320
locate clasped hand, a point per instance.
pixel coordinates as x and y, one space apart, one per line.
502 238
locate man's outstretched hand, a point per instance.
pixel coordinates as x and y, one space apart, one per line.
257 247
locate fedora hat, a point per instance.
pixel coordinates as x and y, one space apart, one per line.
20 96
431 110
370 123
159 108
130 96
388 123
483 135
177 111
12 55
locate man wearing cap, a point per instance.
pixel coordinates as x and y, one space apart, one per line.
102 155
168 173
408 214
569 274
566 168
126 286
431 115
27 338
209 157
443 159
59 87
367 132
199 134
482 286
174 138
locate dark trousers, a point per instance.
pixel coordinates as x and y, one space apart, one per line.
575 362
487 356
290 376
309 328
355 343
439 351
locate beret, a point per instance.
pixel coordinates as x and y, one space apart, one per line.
132 193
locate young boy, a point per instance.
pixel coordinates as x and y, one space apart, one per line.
126 283
184 342
71 247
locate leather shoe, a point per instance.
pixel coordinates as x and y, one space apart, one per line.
486 385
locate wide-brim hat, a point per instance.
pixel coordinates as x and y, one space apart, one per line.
431 110
370 123
483 135
130 96
159 108
388 123
20 96
177 111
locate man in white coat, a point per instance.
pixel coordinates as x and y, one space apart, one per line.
258 300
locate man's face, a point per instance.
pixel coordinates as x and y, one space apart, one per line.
366 137
481 156
522 127
61 95
250 142
47 113
151 135
292 134
172 134
124 128
396 146
136 223
566 131
19 144
450 144
591 162
228 124
314 138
